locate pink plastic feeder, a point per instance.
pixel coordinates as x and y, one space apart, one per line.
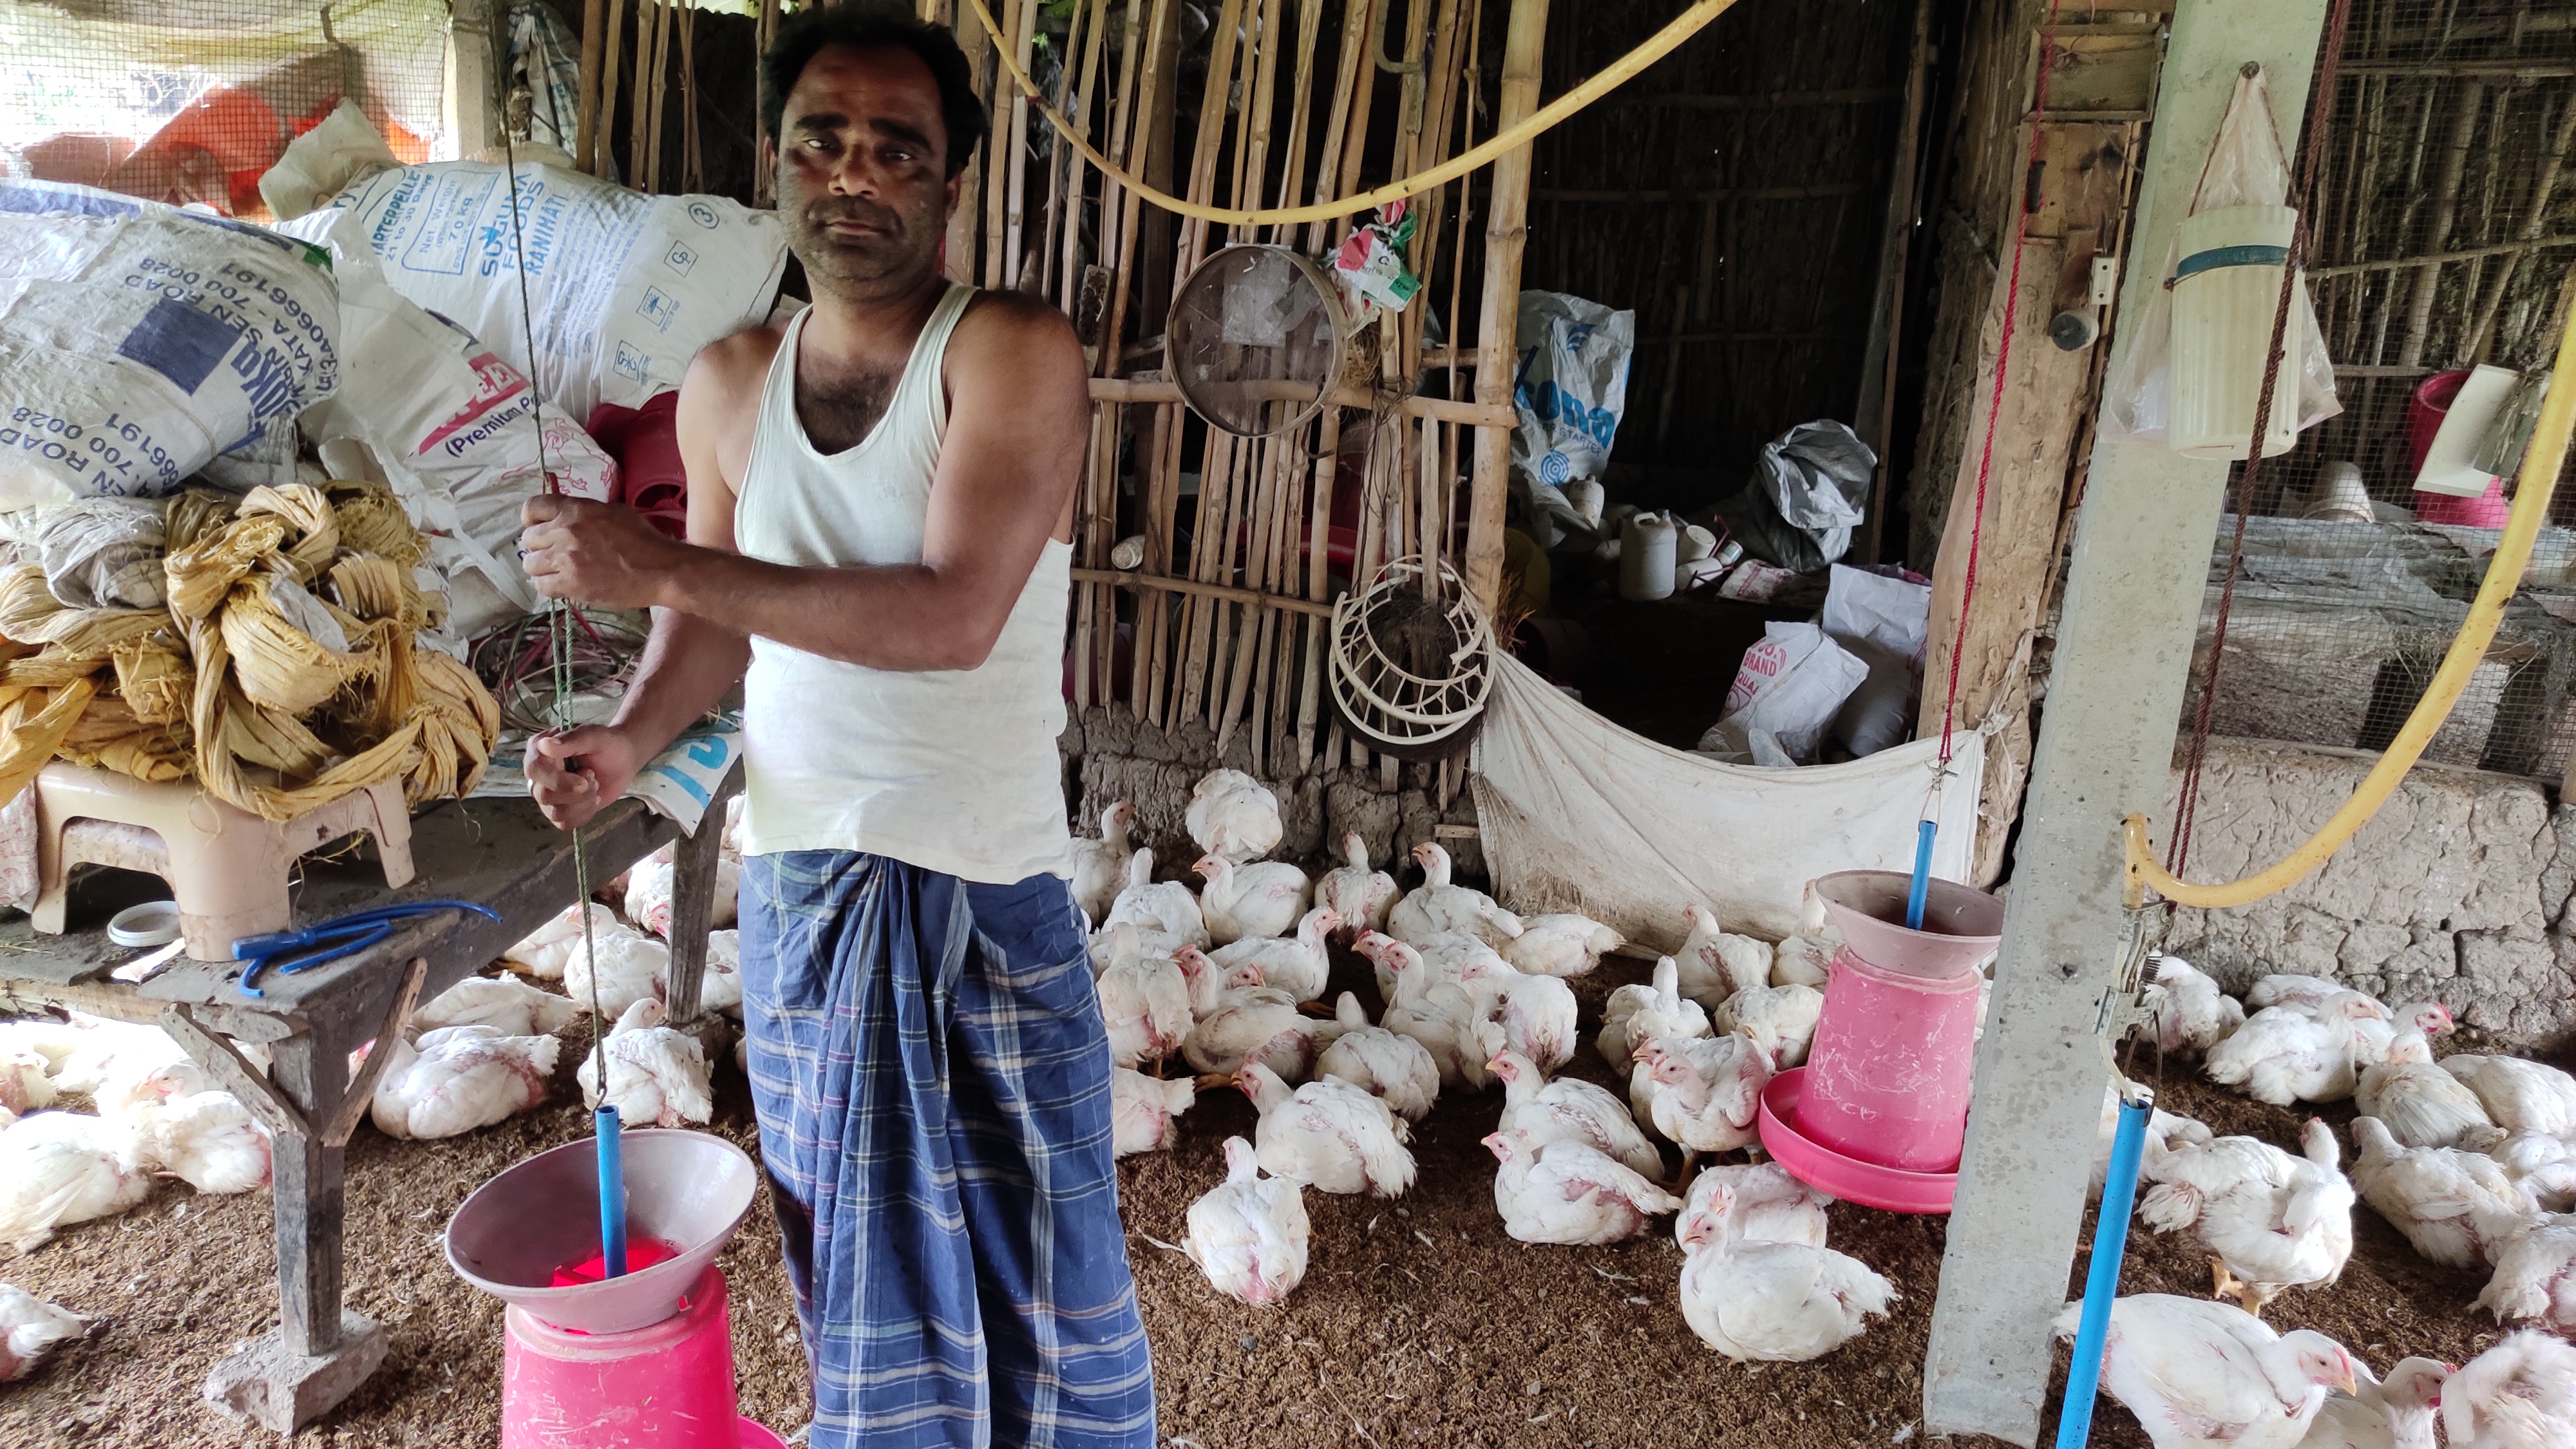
1885 1087
669 1386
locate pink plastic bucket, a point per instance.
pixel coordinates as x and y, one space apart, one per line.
1887 1077
2425 410
666 1386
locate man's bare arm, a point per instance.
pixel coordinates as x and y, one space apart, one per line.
1018 418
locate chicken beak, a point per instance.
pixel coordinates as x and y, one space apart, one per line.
2348 1382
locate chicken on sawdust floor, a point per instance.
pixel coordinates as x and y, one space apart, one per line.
1419 1322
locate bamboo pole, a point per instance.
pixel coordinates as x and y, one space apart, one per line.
1146 104
2536 220
1328 161
1074 186
1211 541
1211 134
1158 584
1023 43
692 173
616 41
1506 233
1253 169
643 147
2446 196
1355 134
1088 526
1064 163
1292 170
965 222
594 35
1319 510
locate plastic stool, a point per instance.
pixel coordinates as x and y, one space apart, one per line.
227 868
665 1386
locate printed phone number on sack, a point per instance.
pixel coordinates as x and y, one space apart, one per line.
309 339
60 440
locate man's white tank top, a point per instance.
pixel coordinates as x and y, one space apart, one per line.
951 770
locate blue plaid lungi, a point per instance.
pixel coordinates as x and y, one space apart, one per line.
932 1081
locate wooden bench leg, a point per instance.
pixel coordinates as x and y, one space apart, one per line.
320 1352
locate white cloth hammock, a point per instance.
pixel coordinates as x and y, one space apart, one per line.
1578 814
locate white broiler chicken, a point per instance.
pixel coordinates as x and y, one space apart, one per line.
2422 1105
550 947
29 1329
720 983
2304 993
459 1078
1773 1302
1770 1206
2521 1096
1100 866
2541 1165
2395 1413
1145 1112
1717 963
1393 1067
1264 898
1248 1234
1450 1024
1362 897
1782 1019
1436 906
2535 1273
1536 1014
114 1057
506 1004
2520 1394
2283 1054
1570 1192
1104 944
656 1075
2189 1012
1446 956
1802 961
1635 1015
1328 1134
24 1083
1541 1111
1158 905
1144 1002
631 966
2164 1129
2269 1220
52 1041
2201 1375
61 1168
1559 945
1233 815
650 885
1297 964
208 1140
1709 1091
2456 1207
1250 1024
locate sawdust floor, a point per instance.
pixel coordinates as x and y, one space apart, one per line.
1419 1321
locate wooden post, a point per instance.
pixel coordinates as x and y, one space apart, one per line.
2133 601
1876 414
1498 334
2047 397
313 1074
594 38
478 55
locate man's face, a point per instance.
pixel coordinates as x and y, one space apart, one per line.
863 184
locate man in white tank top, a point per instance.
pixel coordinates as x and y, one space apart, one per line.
880 491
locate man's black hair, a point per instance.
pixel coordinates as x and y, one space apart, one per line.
861 24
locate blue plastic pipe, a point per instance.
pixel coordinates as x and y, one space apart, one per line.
2102 1277
1922 875
612 1196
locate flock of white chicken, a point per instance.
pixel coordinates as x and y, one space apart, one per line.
2472 1158
1227 980
477 1054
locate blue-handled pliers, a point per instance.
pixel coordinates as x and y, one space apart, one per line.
286 952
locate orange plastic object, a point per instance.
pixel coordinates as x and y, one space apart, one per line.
227 868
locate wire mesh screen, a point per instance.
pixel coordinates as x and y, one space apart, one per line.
191 100
2445 227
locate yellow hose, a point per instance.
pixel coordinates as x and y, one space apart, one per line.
1656 47
2540 469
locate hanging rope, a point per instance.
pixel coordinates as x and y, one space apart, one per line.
2320 119
1657 46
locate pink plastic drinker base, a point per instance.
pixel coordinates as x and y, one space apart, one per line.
668 1386
1848 1178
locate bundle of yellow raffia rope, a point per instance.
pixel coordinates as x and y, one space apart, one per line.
282 674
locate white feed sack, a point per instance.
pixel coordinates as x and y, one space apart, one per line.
622 288
137 341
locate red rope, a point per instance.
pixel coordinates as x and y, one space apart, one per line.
2003 368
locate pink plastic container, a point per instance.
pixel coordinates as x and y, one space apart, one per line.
666 1386
1887 1077
2425 410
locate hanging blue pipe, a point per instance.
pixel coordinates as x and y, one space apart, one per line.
612 1197
2102 1277
1922 887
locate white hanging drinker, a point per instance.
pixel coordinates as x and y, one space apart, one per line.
2225 290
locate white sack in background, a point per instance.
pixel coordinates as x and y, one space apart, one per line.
1577 814
138 340
1882 620
1572 386
1791 684
624 288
